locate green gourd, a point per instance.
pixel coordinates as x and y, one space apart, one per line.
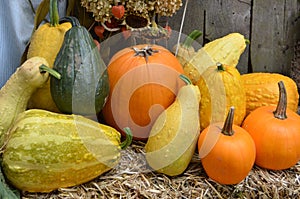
83 87
48 150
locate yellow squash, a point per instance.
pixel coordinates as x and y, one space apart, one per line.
46 41
14 95
173 137
221 88
226 50
262 90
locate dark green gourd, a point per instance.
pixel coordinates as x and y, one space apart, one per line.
84 86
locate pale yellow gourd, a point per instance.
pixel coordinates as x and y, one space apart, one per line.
174 135
14 95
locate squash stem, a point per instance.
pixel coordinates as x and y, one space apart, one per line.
185 79
44 68
128 139
227 128
53 13
280 112
195 34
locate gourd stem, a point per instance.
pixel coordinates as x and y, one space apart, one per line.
44 68
195 34
128 138
280 112
220 67
73 20
227 128
185 79
53 13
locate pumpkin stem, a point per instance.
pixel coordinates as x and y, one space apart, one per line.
185 79
195 34
128 138
44 68
53 13
227 128
280 112
144 52
220 67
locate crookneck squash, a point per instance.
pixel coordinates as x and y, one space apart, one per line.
47 150
14 95
173 137
221 87
46 42
84 84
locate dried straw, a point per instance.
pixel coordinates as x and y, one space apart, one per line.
132 178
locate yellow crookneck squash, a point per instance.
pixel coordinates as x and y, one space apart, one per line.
46 41
221 88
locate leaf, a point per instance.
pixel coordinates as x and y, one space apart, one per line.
5 191
41 13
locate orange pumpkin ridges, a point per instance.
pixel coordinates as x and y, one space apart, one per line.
227 151
276 133
144 80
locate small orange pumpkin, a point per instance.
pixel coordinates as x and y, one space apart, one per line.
144 80
276 133
227 151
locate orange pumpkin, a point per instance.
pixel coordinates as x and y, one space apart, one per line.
144 80
227 151
276 133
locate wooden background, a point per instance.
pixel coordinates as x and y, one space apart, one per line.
272 26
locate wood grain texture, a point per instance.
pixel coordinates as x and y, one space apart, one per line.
273 27
274 34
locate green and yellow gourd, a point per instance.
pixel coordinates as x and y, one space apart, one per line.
84 85
221 88
46 42
47 150
173 137
14 95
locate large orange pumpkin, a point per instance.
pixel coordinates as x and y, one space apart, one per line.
144 80
276 133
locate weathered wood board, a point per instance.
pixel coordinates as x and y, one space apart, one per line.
272 26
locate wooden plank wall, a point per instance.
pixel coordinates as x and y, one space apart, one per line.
273 27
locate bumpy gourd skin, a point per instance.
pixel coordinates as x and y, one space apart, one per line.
262 90
46 42
221 89
14 95
47 150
